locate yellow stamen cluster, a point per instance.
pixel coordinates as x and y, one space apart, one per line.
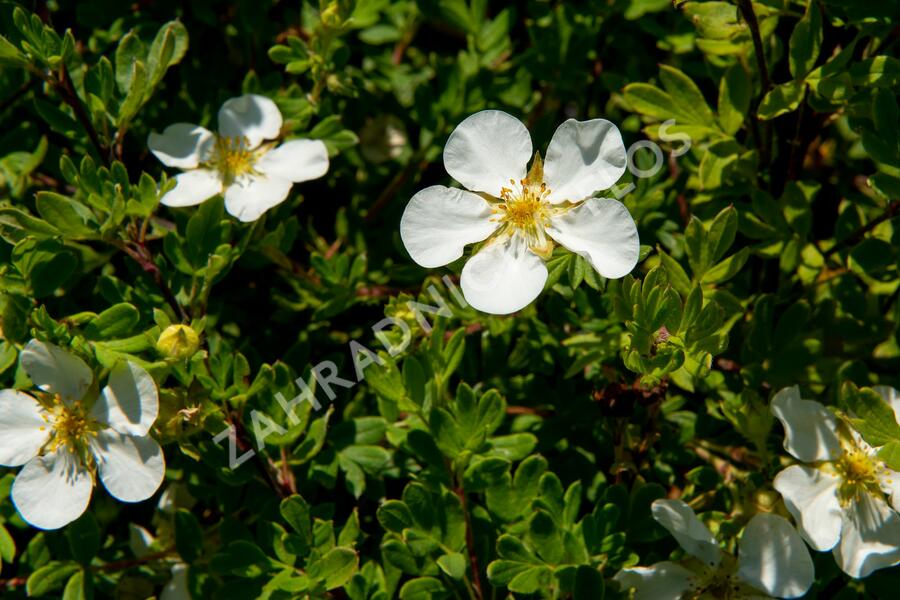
523 209
232 158
721 583
859 473
70 426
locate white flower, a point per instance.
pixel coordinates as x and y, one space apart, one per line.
522 215
253 176
177 588
772 561
65 442
838 498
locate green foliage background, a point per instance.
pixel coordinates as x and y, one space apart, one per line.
495 457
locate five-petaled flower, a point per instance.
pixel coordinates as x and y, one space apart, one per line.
67 434
772 561
521 215
839 497
254 176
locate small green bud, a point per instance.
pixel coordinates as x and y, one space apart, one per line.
178 342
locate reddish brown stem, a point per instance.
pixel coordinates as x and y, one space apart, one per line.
470 544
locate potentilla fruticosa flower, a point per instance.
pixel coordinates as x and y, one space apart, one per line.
67 435
522 213
239 161
772 561
840 493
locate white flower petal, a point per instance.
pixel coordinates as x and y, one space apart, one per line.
252 195
892 397
182 145
662 581
811 497
56 371
250 116
22 428
177 588
439 222
296 160
130 401
692 535
193 187
602 231
140 541
773 558
131 468
583 158
809 429
890 485
870 538
52 490
503 277
486 150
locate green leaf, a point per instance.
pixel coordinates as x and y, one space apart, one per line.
675 273
204 232
453 352
10 55
188 536
454 565
589 584
424 588
15 225
335 568
167 49
872 417
79 587
115 322
727 268
295 511
372 459
135 96
734 98
484 472
546 537
890 454
7 546
50 578
781 99
806 41
530 580
696 246
394 516
130 50
722 232
84 538
686 95
70 217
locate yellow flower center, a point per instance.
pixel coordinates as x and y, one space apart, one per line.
859 473
523 210
719 583
70 426
232 158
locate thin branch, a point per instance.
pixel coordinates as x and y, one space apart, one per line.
470 543
66 89
889 213
415 164
15 96
749 15
144 259
763 141
110 567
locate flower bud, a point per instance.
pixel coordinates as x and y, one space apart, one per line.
178 342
